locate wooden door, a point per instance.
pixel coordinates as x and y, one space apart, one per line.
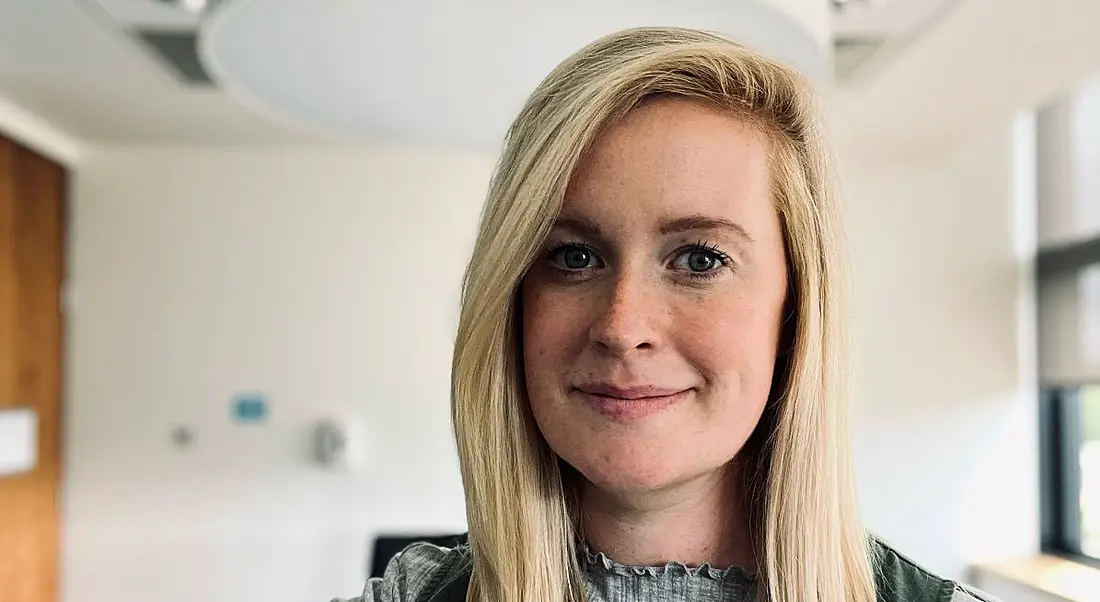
32 206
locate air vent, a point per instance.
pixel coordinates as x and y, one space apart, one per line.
850 54
178 50
840 6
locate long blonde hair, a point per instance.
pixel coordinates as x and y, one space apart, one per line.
799 484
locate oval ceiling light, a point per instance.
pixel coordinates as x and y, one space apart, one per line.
448 73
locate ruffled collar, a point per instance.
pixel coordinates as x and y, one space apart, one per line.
600 562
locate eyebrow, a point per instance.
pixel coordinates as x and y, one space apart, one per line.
581 226
704 222
688 223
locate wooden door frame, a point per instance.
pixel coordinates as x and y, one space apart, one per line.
33 252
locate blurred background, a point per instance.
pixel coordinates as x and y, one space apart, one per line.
232 237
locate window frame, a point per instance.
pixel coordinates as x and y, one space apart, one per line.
1060 445
1066 241
1061 428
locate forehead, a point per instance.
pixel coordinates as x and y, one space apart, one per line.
673 156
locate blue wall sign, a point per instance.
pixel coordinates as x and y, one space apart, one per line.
249 408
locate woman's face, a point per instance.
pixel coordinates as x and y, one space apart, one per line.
651 319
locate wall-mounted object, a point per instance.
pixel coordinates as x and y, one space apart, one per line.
18 441
337 444
182 437
248 408
330 443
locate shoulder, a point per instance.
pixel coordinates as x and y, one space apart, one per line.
417 574
899 579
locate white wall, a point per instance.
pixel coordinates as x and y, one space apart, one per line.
946 430
1070 143
328 280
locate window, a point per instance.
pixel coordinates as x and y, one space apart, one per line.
1068 272
1089 460
1071 436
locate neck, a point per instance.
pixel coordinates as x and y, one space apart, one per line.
694 522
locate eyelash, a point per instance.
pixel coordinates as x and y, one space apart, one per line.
560 247
701 246
706 247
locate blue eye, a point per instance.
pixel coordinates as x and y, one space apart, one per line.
700 260
574 257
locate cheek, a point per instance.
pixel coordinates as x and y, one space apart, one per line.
549 326
732 341
550 340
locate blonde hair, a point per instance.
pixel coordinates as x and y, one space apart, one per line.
799 482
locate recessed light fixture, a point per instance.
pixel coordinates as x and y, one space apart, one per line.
376 70
194 6
191 6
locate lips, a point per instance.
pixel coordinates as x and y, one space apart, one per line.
629 403
627 393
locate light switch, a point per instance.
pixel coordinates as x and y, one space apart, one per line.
18 440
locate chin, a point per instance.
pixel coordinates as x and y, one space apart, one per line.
628 476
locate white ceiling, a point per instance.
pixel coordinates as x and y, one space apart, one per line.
976 67
888 18
952 66
75 65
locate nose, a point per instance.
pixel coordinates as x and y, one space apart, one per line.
629 317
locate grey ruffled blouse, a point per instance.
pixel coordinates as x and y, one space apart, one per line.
427 573
609 581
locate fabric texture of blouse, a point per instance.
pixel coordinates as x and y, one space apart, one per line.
429 573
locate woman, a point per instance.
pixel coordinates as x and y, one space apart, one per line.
648 381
